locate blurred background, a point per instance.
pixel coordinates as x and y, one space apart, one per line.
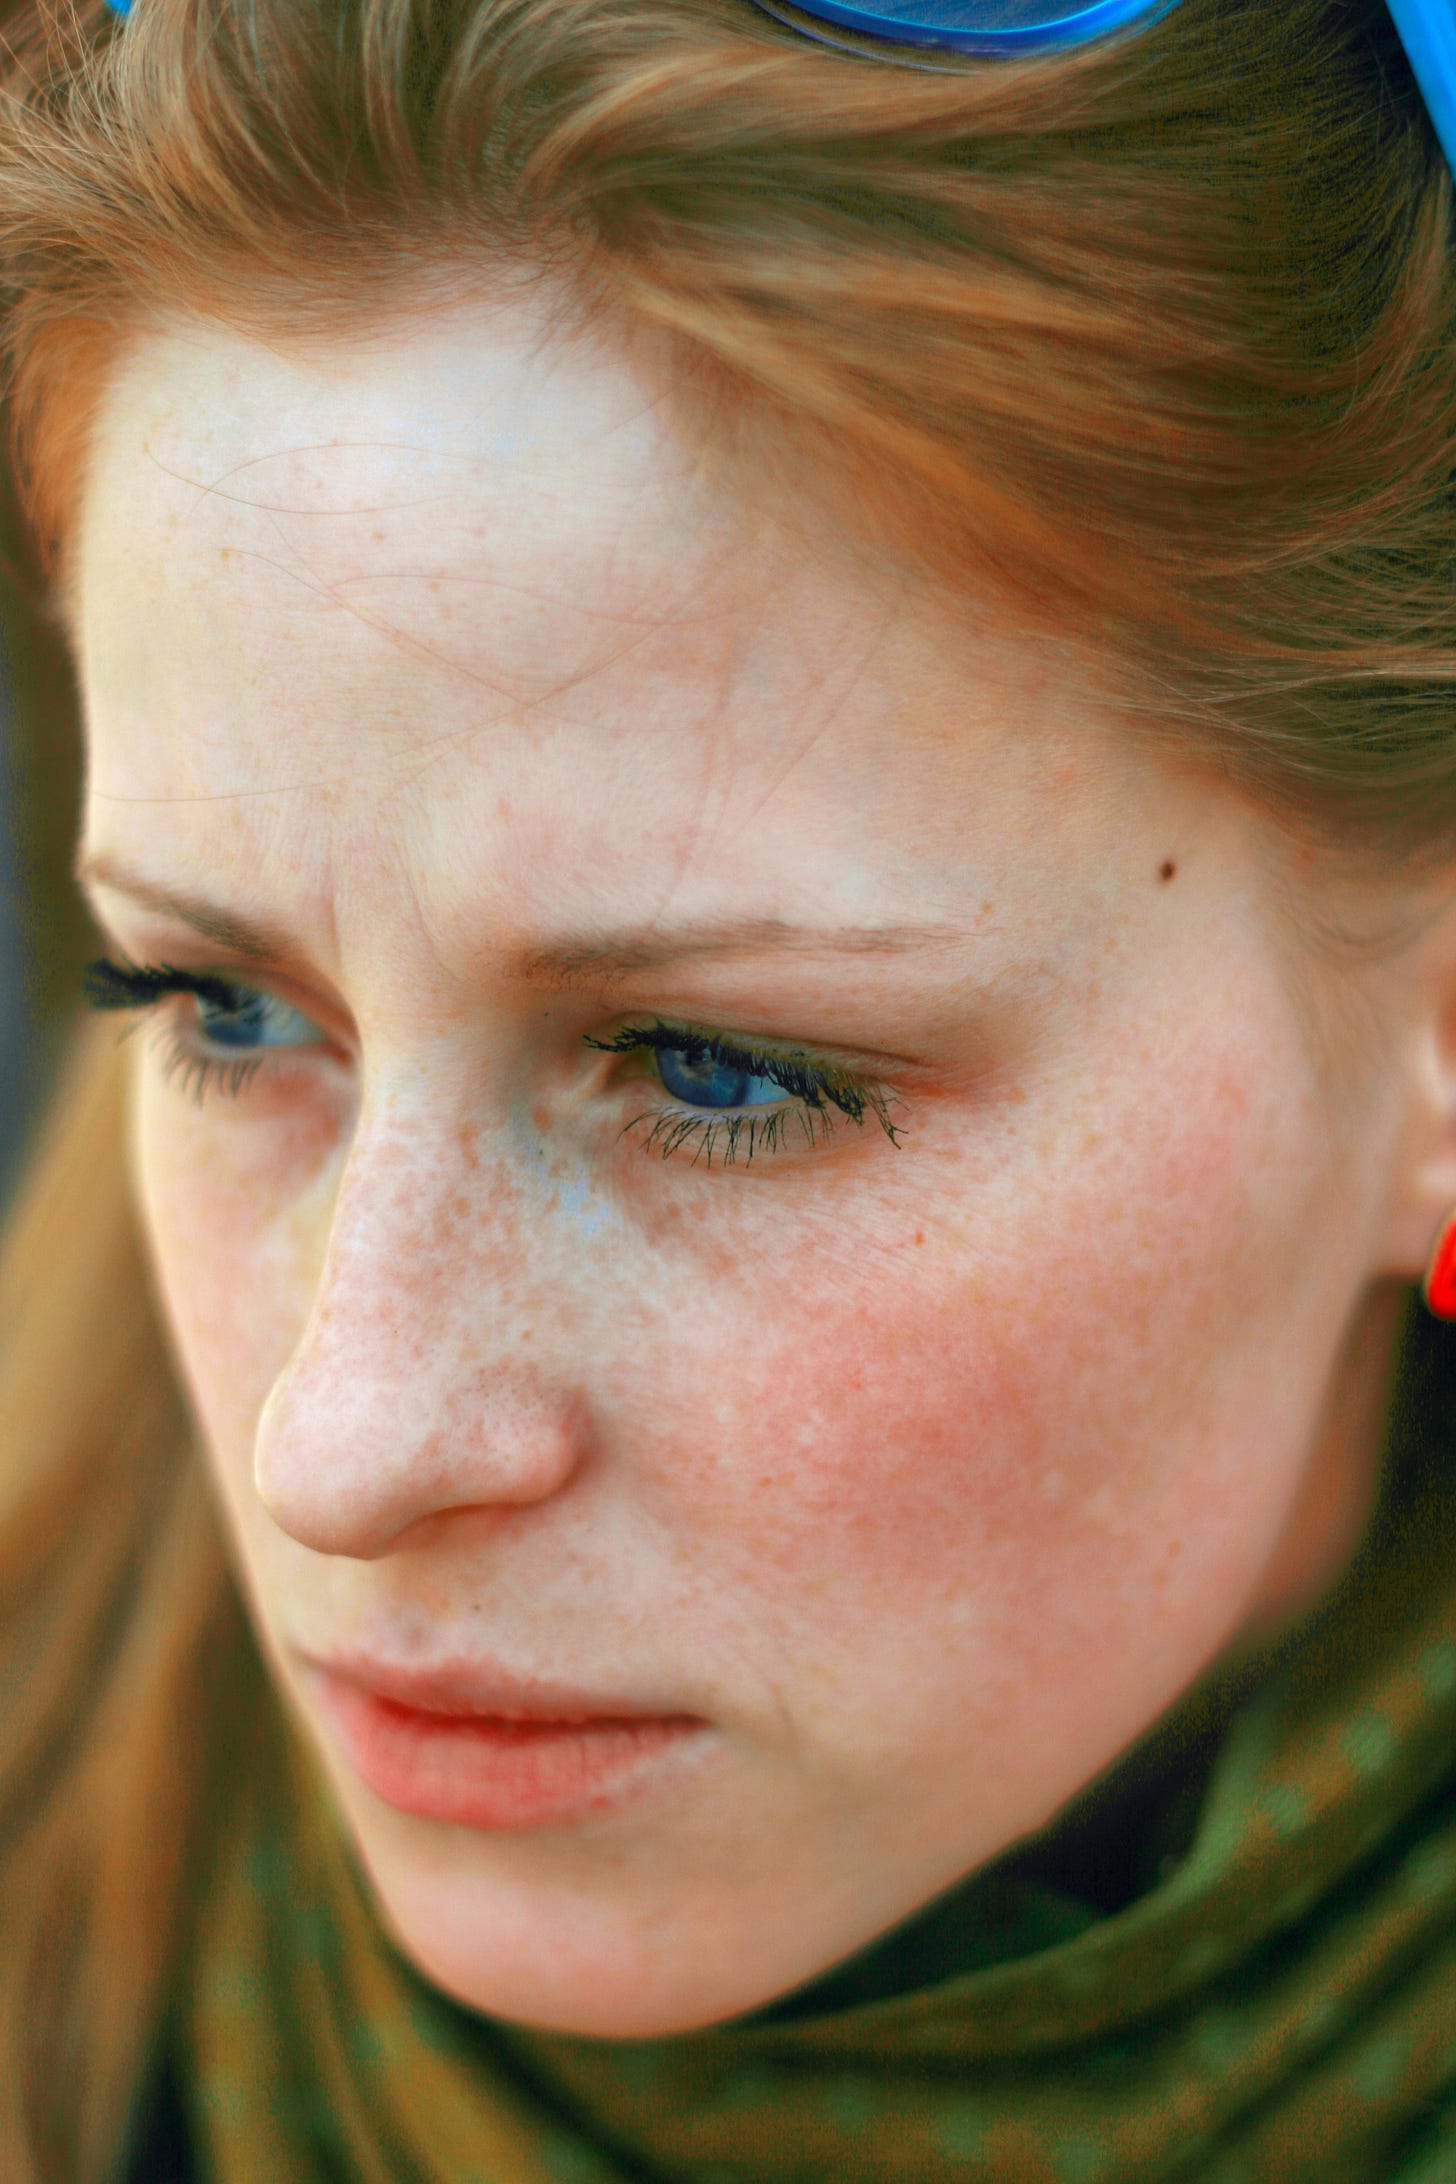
44 937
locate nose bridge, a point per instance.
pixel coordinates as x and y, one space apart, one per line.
417 1223
418 1383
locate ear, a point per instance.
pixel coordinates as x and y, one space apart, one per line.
1418 1006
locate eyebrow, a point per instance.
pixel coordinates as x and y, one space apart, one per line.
571 960
589 960
247 938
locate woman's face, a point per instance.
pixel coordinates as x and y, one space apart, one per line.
836 1499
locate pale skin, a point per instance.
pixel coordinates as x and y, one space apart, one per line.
926 1474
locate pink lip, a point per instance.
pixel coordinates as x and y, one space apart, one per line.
465 1745
460 1687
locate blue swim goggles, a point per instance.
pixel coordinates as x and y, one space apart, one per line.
1427 30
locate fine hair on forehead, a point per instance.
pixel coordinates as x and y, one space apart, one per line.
1153 340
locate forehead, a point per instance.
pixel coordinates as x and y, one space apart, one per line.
473 563
467 473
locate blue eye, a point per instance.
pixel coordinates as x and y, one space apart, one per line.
700 1081
228 1038
245 1019
741 1099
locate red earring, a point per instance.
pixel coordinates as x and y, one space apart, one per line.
1439 1286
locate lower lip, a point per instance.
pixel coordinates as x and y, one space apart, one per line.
478 1771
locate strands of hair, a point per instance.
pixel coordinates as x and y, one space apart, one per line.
1152 344
1094 335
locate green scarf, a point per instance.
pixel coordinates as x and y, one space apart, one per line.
1273 1997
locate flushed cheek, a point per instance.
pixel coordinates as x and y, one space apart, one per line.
1008 1472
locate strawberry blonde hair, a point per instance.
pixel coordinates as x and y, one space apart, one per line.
1154 342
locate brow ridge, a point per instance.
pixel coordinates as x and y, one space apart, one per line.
249 938
590 959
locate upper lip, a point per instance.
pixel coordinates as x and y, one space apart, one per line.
462 1687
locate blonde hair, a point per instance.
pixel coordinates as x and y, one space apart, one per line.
1154 342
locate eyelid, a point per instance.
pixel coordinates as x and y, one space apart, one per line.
751 1045
733 1050
110 985
824 1086
214 982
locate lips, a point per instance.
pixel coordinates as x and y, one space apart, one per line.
464 1688
471 1746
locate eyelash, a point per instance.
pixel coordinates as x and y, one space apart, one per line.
808 1082
138 987
817 1089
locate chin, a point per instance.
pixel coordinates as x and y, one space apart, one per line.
555 1975
593 1955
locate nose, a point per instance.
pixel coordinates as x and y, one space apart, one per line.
417 1386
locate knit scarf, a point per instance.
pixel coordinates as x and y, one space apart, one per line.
1277 2006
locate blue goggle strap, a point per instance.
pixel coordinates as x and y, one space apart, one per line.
1427 30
